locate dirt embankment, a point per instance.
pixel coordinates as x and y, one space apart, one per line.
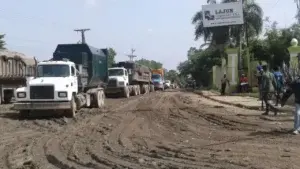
159 130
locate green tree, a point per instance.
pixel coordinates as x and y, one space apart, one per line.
2 42
111 56
150 63
199 65
172 75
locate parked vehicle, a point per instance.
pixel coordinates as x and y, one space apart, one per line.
167 84
158 79
15 69
128 78
72 79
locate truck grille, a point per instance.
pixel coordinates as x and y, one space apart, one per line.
112 83
41 92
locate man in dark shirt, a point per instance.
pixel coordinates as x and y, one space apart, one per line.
224 82
294 88
280 82
268 88
259 79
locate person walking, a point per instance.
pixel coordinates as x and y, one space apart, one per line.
279 84
224 82
259 79
293 88
268 88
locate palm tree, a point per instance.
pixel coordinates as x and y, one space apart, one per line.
2 42
220 35
253 21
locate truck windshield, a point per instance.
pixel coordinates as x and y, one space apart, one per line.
53 71
156 76
115 72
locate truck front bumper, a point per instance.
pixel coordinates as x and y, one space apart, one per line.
158 86
113 90
42 106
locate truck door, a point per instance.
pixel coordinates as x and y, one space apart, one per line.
74 80
126 77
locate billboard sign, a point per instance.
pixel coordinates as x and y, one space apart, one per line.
223 14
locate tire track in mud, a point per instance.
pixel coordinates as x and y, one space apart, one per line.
120 155
157 130
24 147
66 156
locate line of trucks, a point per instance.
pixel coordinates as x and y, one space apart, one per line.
78 76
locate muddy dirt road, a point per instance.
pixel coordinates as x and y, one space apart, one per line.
160 130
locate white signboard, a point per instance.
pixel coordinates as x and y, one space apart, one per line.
223 14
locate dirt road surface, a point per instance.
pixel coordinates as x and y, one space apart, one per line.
160 130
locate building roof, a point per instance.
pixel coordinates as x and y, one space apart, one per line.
11 54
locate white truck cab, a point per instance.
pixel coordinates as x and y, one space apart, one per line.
118 76
54 87
118 83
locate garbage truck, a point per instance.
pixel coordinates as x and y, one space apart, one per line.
158 79
128 78
72 79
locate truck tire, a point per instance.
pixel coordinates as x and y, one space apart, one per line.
138 89
143 89
126 92
7 99
72 111
135 90
99 102
151 88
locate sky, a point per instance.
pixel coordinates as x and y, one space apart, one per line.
159 30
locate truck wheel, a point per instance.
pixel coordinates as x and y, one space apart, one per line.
138 89
72 112
126 92
24 114
99 99
135 92
7 99
151 88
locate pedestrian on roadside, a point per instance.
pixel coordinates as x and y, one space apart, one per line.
293 88
259 66
268 88
224 82
279 83
259 73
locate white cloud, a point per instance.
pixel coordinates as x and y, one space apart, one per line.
150 30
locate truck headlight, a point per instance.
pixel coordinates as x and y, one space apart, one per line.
62 94
21 94
121 83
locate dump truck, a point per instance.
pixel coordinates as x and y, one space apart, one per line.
128 78
15 69
158 79
72 79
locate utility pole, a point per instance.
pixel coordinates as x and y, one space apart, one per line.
298 10
82 31
131 56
